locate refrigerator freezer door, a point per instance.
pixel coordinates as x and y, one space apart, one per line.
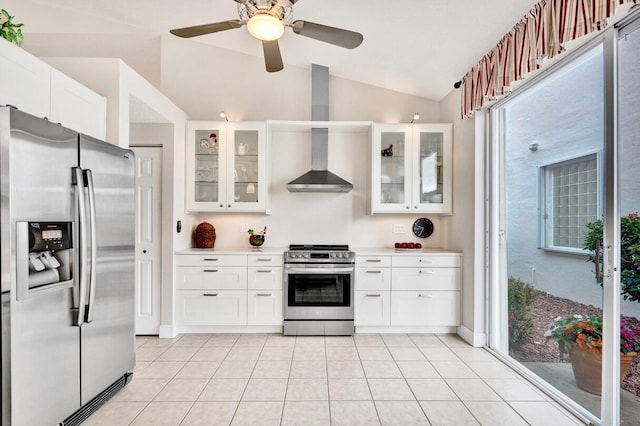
107 348
44 380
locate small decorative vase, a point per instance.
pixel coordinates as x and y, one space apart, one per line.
256 240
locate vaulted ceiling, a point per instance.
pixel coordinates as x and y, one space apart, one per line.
420 47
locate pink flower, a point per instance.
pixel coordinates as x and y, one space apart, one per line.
632 215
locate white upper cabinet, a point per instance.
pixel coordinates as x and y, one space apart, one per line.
25 81
33 86
77 107
411 168
226 166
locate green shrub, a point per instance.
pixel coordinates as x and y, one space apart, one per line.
629 253
521 296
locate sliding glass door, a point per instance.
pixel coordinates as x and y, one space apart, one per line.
551 140
565 173
629 204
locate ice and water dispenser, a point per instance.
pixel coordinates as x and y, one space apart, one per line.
45 253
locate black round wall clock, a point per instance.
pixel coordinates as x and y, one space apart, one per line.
422 227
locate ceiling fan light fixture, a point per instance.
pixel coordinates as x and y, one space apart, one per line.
265 27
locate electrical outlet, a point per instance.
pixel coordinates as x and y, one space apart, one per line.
399 229
244 227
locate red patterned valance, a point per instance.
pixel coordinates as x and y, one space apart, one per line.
539 34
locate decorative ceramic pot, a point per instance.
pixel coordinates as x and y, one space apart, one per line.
587 368
256 240
204 235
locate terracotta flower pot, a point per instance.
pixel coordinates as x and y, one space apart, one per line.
587 368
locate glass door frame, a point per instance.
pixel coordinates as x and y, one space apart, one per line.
497 336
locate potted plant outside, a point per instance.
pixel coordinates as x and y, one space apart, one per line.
581 337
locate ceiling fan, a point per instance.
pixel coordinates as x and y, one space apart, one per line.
265 20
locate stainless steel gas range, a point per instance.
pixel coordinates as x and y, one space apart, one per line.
318 290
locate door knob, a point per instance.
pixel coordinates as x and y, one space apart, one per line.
144 251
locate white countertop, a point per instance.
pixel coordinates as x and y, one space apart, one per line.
369 251
234 250
361 251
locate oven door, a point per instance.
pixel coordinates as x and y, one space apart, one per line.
318 292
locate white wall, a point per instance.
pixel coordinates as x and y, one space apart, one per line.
463 231
204 79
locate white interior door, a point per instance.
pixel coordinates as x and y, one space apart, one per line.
148 238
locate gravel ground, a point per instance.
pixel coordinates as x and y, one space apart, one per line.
544 309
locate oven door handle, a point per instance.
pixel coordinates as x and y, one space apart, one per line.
326 271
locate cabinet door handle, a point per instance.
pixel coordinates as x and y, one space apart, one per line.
210 259
209 270
210 294
264 294
263 260
424 261
374 272
374 260
372 295
425 272
428 296
264 271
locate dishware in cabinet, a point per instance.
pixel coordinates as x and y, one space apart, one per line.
411 168
226 166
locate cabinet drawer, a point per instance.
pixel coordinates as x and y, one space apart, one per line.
211 260
452 261
372 308
219 307
198 277
265 277
425 308
377 261
373 278
265 260
264 307
425 279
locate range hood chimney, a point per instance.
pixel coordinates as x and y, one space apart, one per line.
319 178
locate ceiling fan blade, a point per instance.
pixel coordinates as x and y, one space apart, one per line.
339 37
199 30
272 57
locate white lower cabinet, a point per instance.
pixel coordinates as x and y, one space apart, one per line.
425 308
264 307
229 290
372 308
372 296
407 292
211 307
220 278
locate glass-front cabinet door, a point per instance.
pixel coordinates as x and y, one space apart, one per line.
411 168
206 166
247 185
391 189
432 164
225 166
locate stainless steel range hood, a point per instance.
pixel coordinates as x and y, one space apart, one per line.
319 178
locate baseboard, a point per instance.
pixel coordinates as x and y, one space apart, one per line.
167 331
476 340
190 329
406 329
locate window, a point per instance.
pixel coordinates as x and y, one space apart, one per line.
569 200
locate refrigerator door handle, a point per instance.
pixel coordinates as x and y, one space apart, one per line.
78 182
93 247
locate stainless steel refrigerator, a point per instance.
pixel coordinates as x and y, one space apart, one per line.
67 258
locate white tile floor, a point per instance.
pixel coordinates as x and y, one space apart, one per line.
369 379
